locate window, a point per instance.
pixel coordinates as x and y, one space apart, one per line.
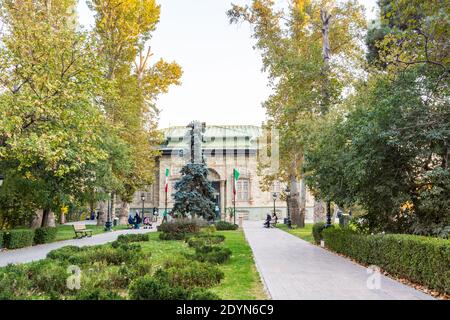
242 190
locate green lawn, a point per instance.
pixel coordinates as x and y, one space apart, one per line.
66 232
303 233
241 279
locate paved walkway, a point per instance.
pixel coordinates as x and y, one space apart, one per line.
292 268
40 251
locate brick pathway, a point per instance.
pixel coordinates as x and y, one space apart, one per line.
292 268
40 251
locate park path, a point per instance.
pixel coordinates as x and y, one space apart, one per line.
40 251
292 268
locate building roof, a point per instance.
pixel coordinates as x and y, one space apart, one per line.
215 136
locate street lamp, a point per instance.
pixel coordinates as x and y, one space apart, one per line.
143 204
287 191
108 224
328 224
1 180
274 197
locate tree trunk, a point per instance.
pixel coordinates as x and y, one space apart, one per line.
102 213
319 211
62 219
37 220
113 206
123 214
48 218
302 202
294 207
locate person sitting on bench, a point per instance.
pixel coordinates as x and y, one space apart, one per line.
274 220
147 223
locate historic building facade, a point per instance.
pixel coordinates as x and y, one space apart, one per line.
224 148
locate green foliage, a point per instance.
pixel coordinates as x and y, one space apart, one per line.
212 254
14 282
317 231
205 239
388 154
1 239
224 225
147 288
421 259
194 193
18 238
124 253
128 238
97 294
45 235
178 229
48 277
188 273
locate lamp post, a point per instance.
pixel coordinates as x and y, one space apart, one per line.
288 196
108 224
274 197
2 178
143 204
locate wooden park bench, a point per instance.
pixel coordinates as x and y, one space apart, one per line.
80 229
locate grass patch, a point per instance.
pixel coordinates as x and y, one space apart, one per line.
66 232
303 233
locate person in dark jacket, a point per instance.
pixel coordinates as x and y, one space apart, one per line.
137 220
267 222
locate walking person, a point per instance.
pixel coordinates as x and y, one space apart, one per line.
137 220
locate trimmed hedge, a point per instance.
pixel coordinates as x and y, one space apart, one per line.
424 260
223 225
18 238
178 229
45 235
317 231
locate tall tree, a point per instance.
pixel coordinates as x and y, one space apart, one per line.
292 52
124 29
49 111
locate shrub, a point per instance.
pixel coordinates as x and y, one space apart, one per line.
205 239
48 276
138 237
45 235
18 238
424 260
123 253
202 294
97 294
212 254
190 274
317 231
64 253
14 282
180 225
1 239
147 288
172 236
223 225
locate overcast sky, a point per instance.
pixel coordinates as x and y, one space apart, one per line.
222 81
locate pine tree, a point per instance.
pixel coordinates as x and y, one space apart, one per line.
194 193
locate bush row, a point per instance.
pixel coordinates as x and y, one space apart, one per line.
223 225
20 238
317 231
421 259
178 229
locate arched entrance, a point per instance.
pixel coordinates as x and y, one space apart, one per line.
214 178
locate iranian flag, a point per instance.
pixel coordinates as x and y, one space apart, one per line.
166 184
236 177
